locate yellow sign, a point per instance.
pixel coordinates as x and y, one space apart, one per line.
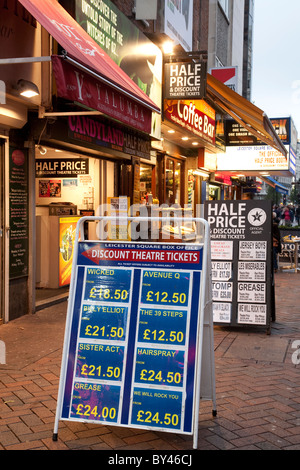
67 229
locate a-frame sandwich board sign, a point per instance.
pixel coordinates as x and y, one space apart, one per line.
138 348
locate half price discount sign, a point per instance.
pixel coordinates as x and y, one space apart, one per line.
132 342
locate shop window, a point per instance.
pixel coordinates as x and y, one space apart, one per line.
214 193
145 182
225 6
170 180
173 181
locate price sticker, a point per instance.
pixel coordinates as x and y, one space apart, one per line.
162 326
108 285
100 361
159 367
103 322
156 408
165 288
95 402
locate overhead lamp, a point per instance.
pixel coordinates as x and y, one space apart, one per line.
184 138
42 149
204 174
27 88
168 47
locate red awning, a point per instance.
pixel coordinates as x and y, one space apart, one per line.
81 47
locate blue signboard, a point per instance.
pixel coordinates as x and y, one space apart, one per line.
130 356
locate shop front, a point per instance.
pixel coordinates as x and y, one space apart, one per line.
190 125
81 164
84 140
20 36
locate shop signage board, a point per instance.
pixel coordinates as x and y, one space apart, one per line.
185 80
252 158
241 254
237 135
138 349
226 75
107 134
104 98
61 167
18 212
194 116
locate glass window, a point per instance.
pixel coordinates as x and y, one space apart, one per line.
145 181
224 5
173 181
177 182
170 181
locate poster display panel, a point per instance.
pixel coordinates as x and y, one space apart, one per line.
67 229
131 349
241 251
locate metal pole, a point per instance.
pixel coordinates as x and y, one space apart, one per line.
24 60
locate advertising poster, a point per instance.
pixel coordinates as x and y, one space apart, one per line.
134 335
18 213
241 251
67 228
127 46
185 80
119 227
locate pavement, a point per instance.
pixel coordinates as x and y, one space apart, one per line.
257 388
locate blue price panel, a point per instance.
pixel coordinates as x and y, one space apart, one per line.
95 402
100 361
159 367
107 285
156 408
167 288
162 326
103 322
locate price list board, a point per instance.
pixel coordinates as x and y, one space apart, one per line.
132 336
241 253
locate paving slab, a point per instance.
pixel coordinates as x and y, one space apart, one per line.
257 387
258 348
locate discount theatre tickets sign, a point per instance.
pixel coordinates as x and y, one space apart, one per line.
132 339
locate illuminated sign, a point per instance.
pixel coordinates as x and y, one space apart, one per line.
185 80
195 116
254 158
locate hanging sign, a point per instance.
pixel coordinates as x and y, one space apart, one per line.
194 116
133 336
241 253
185 80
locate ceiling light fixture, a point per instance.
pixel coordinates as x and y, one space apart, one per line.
168 47
27 89
204 174
42 149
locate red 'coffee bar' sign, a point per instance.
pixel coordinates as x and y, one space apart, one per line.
195 116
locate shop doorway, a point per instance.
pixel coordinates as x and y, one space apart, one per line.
67 187
171 186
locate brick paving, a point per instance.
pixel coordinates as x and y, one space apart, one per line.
257 385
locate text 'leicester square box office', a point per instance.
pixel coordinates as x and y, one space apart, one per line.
138 349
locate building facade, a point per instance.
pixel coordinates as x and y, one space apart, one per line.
102 129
